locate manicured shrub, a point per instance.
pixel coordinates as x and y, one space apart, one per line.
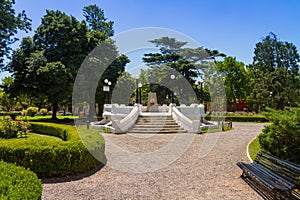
51 159
13 115
282 137
44 111
18 183
24 113
31 111
52 129
238 118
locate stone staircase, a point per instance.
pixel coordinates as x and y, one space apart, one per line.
156 124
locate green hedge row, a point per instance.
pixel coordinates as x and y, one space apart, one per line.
53 130
18 183
239 118
13 115
74 155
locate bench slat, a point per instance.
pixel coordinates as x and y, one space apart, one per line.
278 176
263 176
287 170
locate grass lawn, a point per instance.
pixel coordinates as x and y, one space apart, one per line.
213 130
37 137
40 137
254 148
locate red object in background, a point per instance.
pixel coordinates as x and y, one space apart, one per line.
241 106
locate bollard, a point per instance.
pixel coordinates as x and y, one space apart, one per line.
87 124
223 125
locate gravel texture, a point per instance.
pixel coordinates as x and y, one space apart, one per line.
206 170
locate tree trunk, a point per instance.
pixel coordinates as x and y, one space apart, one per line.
100 107
54 110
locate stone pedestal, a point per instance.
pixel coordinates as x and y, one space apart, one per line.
152 105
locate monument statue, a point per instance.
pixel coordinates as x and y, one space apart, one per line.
152 105
151 80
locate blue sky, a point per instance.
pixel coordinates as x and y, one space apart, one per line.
230 26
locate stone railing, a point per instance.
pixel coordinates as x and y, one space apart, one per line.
122 125
192 126
193 112
116 111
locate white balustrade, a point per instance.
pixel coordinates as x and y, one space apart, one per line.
122 125
192 126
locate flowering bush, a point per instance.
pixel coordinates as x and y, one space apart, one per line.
24 112
12 129
44 111
31 111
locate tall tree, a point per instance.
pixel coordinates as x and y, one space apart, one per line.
18 67
276 73
58 81
59 46
112 73
234 80
6 100
174 54
69 47
96 20
10 23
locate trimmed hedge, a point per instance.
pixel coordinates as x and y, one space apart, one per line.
52 159
282 137
239 118
18 183
13 115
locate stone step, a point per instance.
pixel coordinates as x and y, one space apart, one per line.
157 129
158 116
156 122
155 119
156 126
157 132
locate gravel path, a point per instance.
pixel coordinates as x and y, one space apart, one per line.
206 170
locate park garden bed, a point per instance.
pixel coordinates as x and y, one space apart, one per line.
73 154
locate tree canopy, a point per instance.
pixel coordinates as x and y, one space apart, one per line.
96 20
275 71
45 65
235 80
10 23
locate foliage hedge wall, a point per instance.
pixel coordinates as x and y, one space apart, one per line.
238 118
18 183
282 137
51 159
13 115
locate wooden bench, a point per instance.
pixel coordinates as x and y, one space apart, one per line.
272 177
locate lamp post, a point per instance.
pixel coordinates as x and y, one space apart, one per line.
271 95
106 89
172 79
201 90
140 87
137 90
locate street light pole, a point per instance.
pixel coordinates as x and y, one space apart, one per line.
106 89
137 90
201 91
271 97
172 78
140 87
